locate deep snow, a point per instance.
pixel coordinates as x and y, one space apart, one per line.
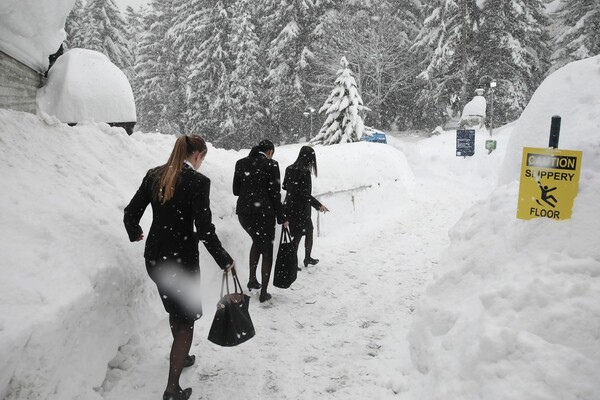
428 285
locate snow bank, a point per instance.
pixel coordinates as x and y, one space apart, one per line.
32 30
74 289
85 85
514 311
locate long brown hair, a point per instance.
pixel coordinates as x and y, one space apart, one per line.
168 174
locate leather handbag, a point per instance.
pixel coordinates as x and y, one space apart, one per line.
232 324
286 263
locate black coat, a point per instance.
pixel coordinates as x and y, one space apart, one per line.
172 232
298 201
257 183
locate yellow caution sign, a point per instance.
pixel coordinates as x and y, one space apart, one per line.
549 183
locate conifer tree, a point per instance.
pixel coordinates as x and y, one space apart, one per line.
343 122
287 30
245 82
159 78
445 49
106 32
577 35
513 50
74 27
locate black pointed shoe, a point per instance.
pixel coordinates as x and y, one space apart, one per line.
189 361
253 284
310 261
181 395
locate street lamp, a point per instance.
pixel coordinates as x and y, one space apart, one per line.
309 113
492 86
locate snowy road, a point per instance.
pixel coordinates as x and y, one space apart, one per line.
339 332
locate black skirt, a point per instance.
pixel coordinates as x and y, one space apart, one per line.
178 286
261 228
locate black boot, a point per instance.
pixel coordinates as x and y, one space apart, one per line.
310 261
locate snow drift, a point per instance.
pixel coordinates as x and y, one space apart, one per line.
513 313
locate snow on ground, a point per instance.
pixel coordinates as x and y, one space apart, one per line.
508 310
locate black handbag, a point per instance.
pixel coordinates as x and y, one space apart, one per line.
286 264
232 324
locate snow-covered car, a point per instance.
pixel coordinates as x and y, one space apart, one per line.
84 85
373 135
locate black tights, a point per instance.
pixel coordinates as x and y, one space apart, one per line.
183 333
267 262
308 243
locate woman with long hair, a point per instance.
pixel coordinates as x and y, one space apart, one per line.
179 196
299 200
256 182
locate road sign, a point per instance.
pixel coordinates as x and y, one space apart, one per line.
549 183
465 142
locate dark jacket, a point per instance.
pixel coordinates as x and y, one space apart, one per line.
298 184
172 232
257 184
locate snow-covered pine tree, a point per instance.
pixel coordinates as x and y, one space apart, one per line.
343 122
160 96
513 50
134 33
577 32
106 32
376 36
245 82
288 26
74 27
444 50
202 31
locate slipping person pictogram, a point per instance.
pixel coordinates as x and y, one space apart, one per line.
545 196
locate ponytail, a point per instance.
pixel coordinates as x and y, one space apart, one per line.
168 174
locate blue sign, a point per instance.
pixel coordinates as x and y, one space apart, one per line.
465 142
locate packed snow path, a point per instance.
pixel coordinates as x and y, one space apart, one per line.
338 332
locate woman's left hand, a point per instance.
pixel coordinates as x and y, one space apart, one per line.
230 267
323 209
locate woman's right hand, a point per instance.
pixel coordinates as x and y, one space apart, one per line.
323 209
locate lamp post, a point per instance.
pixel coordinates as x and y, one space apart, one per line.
309 113
492 86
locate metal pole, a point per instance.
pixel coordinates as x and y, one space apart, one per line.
554 132
492 119
311 124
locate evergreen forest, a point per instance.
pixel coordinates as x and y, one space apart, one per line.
237 71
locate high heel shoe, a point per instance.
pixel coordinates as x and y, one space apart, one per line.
189 361
310 261
253 285
180 395
264 297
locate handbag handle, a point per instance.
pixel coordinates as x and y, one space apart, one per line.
286 236
236 282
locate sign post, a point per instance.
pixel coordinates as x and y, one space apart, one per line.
465 142
549 183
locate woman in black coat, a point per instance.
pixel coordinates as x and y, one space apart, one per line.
298 201
179 196
256 182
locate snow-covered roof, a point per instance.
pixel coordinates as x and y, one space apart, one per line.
85 85
32 30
